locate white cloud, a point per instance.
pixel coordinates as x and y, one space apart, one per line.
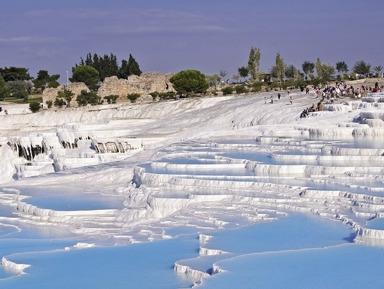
27 39
113 21
150 28
157 21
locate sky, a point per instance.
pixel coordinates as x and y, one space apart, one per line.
173 35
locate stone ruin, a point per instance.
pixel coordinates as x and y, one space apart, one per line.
144 84
50 94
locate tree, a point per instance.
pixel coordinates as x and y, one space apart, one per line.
3 90
361 67
274 72
15 73
106 65
85 98
292 72
124 70
280 67
189 82
41 80
19 88
308 68
85 73
328 72
378 70
243 72
325 72
133 66
67 95
44 80
341 67
130 67
254 63
213 80
319 68
236 77
53 80
222 74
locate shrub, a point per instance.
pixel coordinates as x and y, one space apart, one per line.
346 77
300 83
49 103
353 76
59 102
241 89
154 95
167 95
133 96
66 94
315 82
274 86
288 83
256 87
88 98
227 90
34 106
163 95
111 98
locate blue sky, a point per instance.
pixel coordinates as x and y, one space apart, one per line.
172 35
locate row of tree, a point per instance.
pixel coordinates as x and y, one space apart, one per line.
92 70
281 71
107 66
285 75
18 83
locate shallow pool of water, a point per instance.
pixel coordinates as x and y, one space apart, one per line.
70 199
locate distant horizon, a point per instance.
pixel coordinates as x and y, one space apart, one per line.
170 36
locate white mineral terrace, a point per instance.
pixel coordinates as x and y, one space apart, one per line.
206 163
13 267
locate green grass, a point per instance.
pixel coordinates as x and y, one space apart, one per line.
31 98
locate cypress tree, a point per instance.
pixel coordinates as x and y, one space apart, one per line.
133 66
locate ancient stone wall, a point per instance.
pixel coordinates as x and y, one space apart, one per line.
144 84
50 94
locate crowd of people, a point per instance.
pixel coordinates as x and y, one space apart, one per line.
329 93
341 89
